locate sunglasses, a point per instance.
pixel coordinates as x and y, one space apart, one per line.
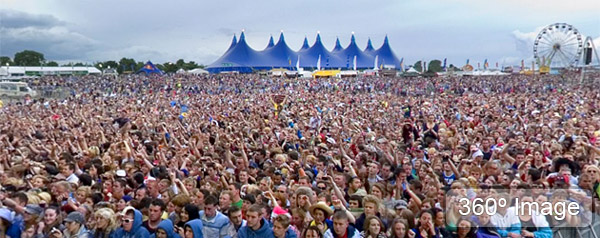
126 220
322 188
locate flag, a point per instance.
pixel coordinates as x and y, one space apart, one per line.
467 61
478 65
402 64
485 64
319 63
423 68
496 64
376 59
522 64
444 67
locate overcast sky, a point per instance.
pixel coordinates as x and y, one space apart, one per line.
90 30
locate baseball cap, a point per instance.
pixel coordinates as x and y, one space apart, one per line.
75 217
121 173
401 205
34 209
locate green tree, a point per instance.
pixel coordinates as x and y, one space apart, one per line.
52 63
180 63
190 65
4 60
125 65
111 63
29 58
434 66
170 67
451 67
418 66
79 64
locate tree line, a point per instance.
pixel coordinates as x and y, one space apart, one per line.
124 65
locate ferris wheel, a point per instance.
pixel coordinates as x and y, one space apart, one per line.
559 45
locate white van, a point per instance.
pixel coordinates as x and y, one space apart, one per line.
16 89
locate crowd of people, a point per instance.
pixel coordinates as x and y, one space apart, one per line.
180 156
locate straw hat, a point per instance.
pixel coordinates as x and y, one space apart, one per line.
322 206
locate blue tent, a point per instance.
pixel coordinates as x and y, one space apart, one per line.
150 68
310 56
369 50
338 47
278 56
386 55
270 44
305 45
242 58
363 61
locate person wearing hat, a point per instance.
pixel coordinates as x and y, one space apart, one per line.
321 213
74 227
31 214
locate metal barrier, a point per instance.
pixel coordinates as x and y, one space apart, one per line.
590 231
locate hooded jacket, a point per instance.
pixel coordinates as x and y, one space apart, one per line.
167 226
263 232
82 233
217 226
196 226
137 230
350 231
290 233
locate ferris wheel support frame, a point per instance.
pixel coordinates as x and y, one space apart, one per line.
588 42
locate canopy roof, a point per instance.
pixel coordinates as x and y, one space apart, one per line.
326 73
149 68
363 60
280 55
243 58
197 71
386 55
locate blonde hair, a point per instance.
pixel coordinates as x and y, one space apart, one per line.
85 189
32 198
44 179
190 180
372 199
109 215
45 196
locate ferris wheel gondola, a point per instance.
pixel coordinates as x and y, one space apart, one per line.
559 45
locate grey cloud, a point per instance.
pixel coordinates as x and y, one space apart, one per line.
17 19
44 33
